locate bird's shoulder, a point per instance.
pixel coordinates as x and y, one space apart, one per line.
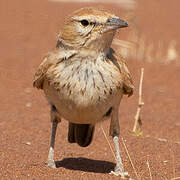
52 58
125 75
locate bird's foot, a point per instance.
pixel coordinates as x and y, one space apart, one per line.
51 164
119 172
123 175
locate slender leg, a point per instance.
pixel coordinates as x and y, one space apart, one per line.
55 118
114 132
50 161
119 169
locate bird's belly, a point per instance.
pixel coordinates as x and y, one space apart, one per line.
85 95
82 109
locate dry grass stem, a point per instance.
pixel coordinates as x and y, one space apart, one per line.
176 178
108 141
125 147
174 173
161 139
138 121
150 174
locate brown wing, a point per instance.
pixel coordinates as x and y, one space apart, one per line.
51 59
128 86
119 61
41 72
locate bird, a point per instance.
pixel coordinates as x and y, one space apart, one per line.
84 79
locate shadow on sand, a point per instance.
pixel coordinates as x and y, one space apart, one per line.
86 165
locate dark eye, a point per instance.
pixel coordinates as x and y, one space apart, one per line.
84 22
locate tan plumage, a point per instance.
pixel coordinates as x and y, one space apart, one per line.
83 78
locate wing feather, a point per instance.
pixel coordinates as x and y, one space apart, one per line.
51 59
125 75
128 86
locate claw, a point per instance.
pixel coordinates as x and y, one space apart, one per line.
51 164
123 175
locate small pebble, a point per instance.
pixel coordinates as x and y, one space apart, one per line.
28 143
162 140
28 105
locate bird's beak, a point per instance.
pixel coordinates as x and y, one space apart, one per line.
116 23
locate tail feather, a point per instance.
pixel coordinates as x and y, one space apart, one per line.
81 134
71 137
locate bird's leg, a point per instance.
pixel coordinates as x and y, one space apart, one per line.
119 165
50 161
55 119
114 132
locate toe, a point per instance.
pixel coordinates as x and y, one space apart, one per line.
51 163
121 174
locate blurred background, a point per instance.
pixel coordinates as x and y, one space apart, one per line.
29 29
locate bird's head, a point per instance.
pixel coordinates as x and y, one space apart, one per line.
90 28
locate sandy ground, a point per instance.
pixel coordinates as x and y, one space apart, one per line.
28 31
